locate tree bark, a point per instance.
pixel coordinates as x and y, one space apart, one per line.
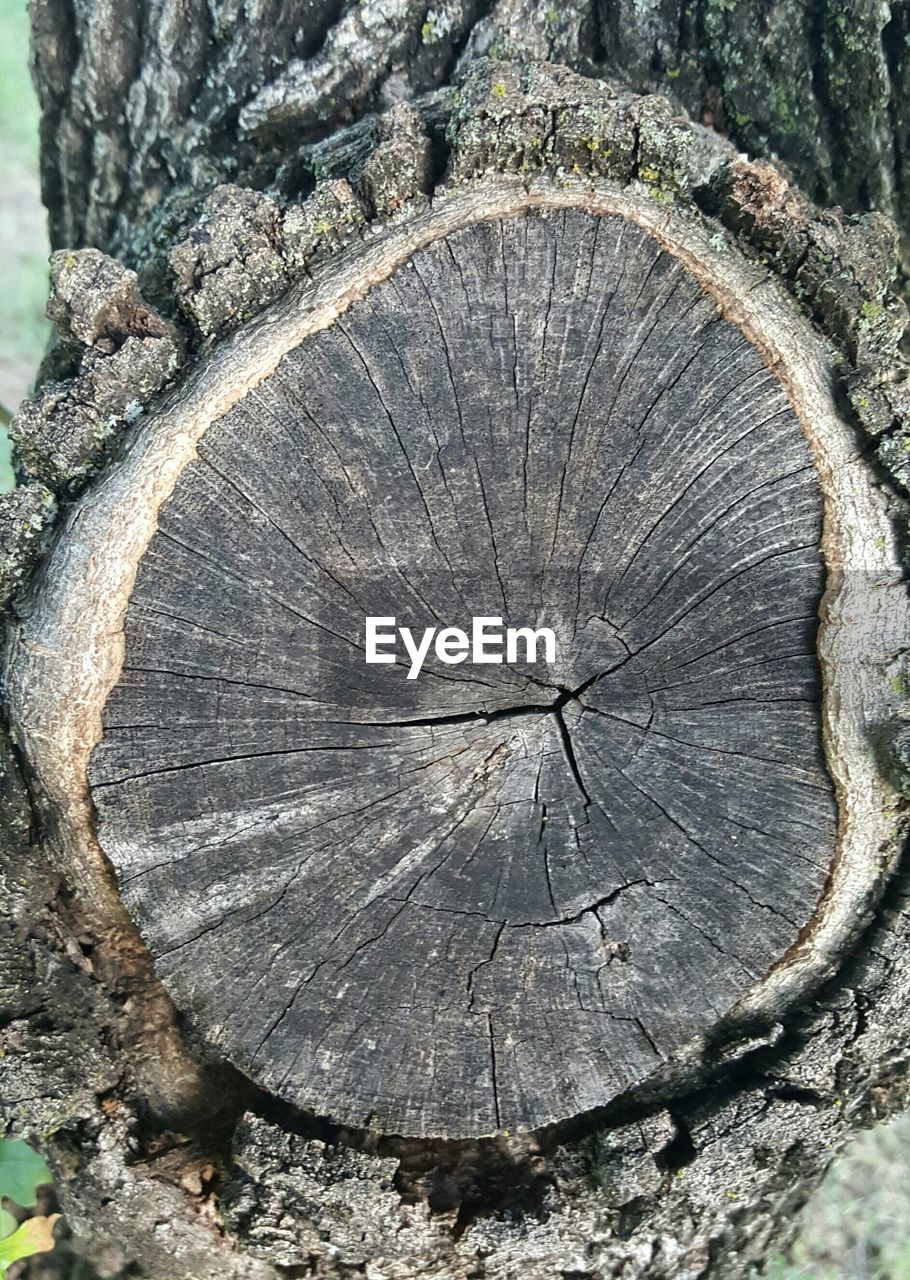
145 101
336 232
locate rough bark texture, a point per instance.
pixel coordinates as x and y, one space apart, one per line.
169 1163
146 100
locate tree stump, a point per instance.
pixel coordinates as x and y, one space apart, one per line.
595 393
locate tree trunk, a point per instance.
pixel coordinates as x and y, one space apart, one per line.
576 953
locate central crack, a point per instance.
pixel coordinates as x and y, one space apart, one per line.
501 713
554 708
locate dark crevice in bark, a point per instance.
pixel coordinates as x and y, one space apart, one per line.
599 18
440 155
817 14
895 36
794 1093
312 42
680 1151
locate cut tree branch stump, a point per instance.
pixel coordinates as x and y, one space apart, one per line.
484 937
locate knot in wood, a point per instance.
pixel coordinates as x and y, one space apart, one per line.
500 892
497 894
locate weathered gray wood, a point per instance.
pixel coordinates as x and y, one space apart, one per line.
544 418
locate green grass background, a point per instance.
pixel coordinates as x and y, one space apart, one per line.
23 226
857 1227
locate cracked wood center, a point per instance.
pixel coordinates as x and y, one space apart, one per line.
496 895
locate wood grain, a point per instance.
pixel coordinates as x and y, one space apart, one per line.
493 896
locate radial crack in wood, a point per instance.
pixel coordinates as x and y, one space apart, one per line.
494 896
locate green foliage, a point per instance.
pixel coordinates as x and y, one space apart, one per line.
18 106
22 1172
7 480
857 1224
36 1235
